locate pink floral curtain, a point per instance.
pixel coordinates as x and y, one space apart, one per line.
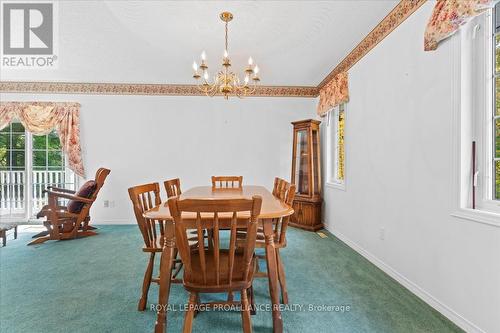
448 16
41 118
333 93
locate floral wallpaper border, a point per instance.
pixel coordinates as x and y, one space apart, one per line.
397 16
141 89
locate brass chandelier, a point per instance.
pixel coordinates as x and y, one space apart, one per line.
226 82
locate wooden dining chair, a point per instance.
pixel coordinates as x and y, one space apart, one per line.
219 182
285 192
173 187
221 268
145 197
72 219
279 189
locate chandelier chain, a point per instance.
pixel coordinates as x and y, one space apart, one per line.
226 37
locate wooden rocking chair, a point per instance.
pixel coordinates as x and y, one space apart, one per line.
72 220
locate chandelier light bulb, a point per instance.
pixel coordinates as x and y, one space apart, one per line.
225 54
195 66
203 56
250 61
205 75
246 79
256 69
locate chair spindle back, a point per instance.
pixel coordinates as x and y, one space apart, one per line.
145 197
214 215
280 188
173 187
227 182
286 193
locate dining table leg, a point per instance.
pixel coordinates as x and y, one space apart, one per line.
166 262
272 273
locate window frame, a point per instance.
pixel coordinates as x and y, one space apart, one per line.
472 105
332 139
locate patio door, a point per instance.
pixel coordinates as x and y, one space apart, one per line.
28 164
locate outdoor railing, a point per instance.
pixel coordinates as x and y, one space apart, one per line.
13 188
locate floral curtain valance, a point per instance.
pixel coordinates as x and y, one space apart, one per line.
41 118
448 16
333 93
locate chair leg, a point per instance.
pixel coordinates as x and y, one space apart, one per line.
245 313
282 278
15 232
146 283
253 311
177 265
188 318
198 302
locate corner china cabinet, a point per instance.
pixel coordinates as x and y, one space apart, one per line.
306 175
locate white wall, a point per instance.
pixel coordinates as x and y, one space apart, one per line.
398 177
154 138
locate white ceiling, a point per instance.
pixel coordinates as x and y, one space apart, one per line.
294 42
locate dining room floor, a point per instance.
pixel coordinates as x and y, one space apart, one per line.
93 285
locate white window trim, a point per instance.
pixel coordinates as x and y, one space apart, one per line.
331 182
465 100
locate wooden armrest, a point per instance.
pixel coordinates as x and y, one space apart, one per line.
69 196
58 189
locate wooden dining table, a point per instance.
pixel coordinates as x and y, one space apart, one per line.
272 208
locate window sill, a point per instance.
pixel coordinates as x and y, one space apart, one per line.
338 186
479 216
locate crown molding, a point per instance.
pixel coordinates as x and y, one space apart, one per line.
141 89
397 16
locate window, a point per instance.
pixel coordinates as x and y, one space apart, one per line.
28 164
477 125
335 147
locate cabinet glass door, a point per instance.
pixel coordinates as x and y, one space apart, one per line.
316 152
301 160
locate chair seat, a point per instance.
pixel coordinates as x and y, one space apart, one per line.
196 283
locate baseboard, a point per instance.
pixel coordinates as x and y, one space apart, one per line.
442 308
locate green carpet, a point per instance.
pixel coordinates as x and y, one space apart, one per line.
93 285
